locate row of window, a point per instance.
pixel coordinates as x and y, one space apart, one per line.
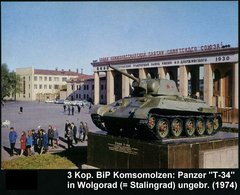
46 86
86 87
40 78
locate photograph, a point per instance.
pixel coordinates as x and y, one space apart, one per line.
120 95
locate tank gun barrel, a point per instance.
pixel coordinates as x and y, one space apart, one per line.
124 73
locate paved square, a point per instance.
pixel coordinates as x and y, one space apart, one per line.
39 114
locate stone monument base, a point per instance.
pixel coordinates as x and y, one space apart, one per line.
109 152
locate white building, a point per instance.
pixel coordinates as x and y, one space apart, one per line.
40 85
82 88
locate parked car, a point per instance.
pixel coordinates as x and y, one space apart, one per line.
60 101
49 101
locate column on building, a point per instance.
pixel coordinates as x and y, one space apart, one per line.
208 84
236 85
162 72
96 87
125 85
183 80
110 87
142 73
195 81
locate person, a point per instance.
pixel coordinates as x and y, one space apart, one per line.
80 131
12 140
55 137
23 140
85 132
79 108
21 109
29 143
44 142
70 137
35 138
74 128
40 140
50 136
66 128
72 110
69 109
64 107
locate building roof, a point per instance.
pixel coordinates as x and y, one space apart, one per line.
60 73
80 78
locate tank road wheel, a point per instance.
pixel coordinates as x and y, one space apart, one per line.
200 126
162 128
209 126
190 127
176 127
217 123
151 122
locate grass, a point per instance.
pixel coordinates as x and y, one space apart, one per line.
44 161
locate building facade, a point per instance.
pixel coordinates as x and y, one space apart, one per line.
209 72
83 89
41 85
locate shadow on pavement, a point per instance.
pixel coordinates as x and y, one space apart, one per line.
8 150
77 154
63 139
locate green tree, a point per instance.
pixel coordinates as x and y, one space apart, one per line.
10 82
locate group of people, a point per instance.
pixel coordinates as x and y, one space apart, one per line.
71 108
71 133
34 141
39 141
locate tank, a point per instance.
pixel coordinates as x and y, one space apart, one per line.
155 110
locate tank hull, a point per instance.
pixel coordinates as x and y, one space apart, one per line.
157 117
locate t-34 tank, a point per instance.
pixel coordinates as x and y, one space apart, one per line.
156 110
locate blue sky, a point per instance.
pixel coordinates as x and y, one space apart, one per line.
70 35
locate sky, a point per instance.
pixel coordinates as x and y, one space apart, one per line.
70 35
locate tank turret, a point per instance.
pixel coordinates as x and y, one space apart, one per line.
149 86
156 110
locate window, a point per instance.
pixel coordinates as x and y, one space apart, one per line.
45 86
87 87
29 86
76 96
35 78
84 96
56 86
50 78
87 96
101 87
56 78
102 97
64 78
35 86
40 86
29 78
40 78
50 86
24 86
79 96
45 78
84 87
72 86
92 87
29 95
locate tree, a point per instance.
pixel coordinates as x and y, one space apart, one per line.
10 82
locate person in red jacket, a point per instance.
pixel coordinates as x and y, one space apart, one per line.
23 140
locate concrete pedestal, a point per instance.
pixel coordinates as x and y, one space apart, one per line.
108 152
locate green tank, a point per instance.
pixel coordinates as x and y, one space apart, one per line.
156 110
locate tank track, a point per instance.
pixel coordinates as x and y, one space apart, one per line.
172 126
